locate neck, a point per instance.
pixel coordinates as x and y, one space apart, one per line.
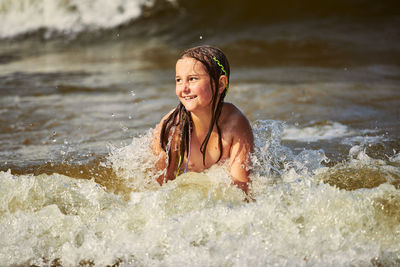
201 123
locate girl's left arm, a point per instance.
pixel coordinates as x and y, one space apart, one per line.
241 149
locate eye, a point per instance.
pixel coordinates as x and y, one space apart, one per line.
193 79
178 80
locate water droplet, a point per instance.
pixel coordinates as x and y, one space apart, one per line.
201 37
124 128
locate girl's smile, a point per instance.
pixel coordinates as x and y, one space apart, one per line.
193 86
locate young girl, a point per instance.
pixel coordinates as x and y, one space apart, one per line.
203 130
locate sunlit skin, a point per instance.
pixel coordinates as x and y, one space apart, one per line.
193 89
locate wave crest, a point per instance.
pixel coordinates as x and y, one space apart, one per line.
66 16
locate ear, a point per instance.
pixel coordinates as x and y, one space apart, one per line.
223 82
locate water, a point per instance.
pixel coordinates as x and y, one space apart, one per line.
83 83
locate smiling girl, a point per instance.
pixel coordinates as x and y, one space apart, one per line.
203 130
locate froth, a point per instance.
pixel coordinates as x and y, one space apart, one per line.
21 16
324 131
297 217
135 163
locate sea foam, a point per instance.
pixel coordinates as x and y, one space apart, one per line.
23 16
296 215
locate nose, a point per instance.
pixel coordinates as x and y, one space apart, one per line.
186 88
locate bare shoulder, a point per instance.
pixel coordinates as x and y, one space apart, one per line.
234 122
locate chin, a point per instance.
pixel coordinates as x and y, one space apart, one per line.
192 107
189 108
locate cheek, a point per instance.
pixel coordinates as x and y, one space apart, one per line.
208 95
207 92
203 88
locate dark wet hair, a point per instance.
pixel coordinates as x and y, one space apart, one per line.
210 57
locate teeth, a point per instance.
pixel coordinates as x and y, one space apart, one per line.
189 97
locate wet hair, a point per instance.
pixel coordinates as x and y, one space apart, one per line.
216 64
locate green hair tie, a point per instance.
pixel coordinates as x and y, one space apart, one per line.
223 70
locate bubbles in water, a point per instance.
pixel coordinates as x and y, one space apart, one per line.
301 214
135 163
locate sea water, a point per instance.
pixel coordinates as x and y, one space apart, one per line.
294 215
83 84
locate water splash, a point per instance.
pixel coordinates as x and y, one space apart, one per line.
301 215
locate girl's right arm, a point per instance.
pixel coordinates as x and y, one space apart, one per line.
159 153
167 172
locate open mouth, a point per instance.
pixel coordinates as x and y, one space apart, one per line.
189 97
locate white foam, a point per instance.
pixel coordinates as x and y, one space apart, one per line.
135 163
364 140
22 16
396 157
289 224
315 133
200 220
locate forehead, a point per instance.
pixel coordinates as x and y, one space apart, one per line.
188 65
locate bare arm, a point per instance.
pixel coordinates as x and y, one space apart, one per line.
241 149
162 162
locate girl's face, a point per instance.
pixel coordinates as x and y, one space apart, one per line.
193 85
